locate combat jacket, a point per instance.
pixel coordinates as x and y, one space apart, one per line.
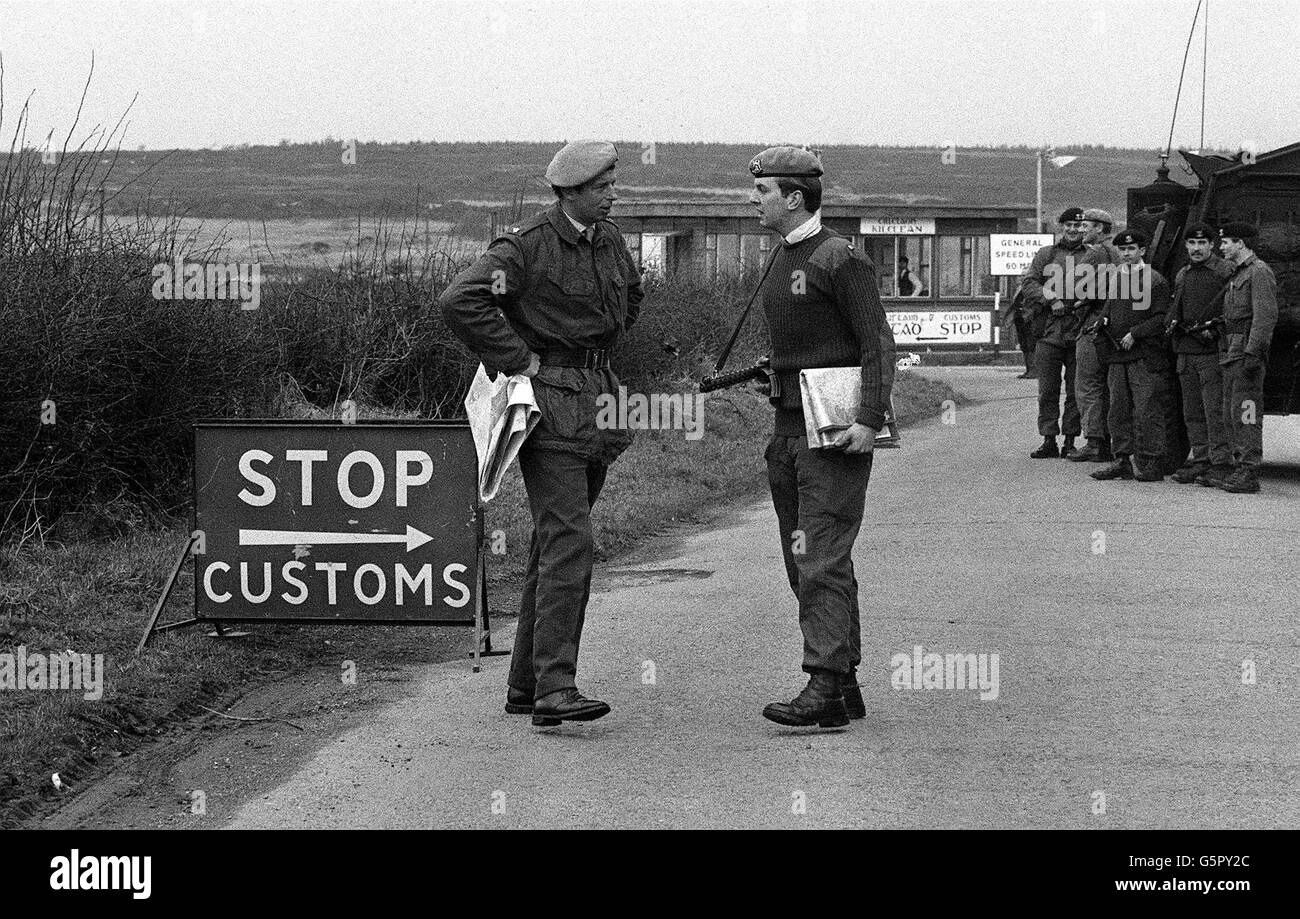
1249 311
544 287
1125 315
1063 329
1198 298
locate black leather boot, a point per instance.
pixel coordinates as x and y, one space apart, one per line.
821 703
1120 469
1048 449
853 704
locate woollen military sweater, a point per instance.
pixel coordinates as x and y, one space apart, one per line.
823 310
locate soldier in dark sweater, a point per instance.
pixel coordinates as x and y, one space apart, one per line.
1198 304
1139 375
823 310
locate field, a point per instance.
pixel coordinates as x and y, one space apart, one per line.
458 184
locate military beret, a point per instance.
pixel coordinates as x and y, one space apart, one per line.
1071 214
786 162
1237 230
1200 231
1131 238
1097 215
580 161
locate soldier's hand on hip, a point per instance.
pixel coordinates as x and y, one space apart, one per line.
858 438
534 365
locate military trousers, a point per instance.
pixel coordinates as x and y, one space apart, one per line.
1138 402
1201 380
562 488
1053 360
1090 389
819 496
1243 412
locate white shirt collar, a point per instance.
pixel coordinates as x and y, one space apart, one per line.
581 228
808 228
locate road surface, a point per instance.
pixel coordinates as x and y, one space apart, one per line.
1121 700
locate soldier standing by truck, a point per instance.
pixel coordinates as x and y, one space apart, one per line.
1194 326
1090 371
1138 373
1054 352
1249 317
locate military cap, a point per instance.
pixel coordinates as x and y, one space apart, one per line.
580 161
1131 238
1071 214
1097 215
786 162
1237 230
1200 231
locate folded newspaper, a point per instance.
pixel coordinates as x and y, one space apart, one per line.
831 396
502 413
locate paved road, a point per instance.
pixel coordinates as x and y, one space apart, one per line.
1120 673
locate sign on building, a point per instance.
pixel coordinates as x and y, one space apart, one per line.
934 327
1011 253
368 522
885 225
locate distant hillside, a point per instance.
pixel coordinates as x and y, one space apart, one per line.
452 181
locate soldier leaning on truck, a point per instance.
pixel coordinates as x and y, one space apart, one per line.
548 300
1249 317
1197 307
1054 352
1131 340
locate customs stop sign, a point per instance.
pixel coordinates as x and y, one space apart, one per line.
367 522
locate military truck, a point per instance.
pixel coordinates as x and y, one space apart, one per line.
1260 189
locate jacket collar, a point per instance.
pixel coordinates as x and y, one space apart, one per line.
563 225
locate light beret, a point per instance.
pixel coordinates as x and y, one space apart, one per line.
1097 215
786 162
1237 230
580 161
1131 238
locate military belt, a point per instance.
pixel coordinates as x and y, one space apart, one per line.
586 358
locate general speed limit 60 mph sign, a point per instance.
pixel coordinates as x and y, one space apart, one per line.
368 522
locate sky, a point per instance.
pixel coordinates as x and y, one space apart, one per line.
906 72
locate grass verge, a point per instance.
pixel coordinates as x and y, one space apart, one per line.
94 597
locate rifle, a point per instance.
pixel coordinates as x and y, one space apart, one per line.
1104 342
761 370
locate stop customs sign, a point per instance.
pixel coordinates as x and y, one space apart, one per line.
370 522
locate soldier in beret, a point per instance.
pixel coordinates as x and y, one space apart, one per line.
1054 353
1139 377
1197 305
1249 317
823 310
1090 371
549 300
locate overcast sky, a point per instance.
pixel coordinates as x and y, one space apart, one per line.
906 72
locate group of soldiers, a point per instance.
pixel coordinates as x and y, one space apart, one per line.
1113 331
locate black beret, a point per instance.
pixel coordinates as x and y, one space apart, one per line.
1237 230
1071 214
1200 231
1131 238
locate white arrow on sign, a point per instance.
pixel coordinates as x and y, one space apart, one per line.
413 538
